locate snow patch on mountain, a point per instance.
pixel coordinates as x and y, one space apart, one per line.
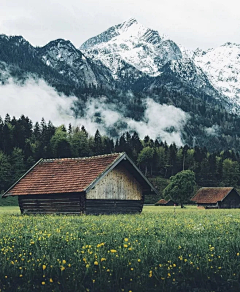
133 44
222 67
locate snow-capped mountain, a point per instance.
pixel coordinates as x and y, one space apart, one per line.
130 55
222 67
129 63
150 53
134 44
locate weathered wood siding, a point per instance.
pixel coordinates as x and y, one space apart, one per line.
231 201
73 203
113 206
208 205
119 184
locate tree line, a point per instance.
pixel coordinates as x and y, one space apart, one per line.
23 143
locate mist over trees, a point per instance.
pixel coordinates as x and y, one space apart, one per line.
22 144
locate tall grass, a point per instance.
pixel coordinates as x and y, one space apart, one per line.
158 250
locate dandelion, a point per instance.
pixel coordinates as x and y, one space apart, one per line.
44 267
113 250
51 280
96 263
43 283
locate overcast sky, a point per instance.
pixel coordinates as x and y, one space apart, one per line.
202 23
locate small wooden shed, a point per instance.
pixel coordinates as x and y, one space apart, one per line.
226 197
163 202
93 185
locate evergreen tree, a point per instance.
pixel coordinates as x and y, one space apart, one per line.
59 143
98 147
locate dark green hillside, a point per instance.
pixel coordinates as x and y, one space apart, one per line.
22 144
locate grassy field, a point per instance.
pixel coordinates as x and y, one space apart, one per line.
159 250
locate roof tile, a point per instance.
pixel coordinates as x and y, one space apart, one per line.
162 201
63 175
211 195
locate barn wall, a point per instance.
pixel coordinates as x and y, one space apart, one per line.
113 206
208 205
73 203
118 184
231 201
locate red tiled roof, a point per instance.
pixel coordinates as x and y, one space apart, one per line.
162 202
211 195
65 175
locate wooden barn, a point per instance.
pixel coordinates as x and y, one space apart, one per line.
217 198
93 185
163 202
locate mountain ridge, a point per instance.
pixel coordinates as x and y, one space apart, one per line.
129 64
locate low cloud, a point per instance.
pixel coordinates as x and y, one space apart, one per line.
212 131
164 122
36 99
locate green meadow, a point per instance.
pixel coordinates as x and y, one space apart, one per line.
161 249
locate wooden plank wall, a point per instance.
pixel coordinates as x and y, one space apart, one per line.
52 204
119 184
231 201
97 207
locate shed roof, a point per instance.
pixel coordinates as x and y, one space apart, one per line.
211 195
162 202
68 175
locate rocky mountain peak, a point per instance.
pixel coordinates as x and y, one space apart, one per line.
134 44
126 24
